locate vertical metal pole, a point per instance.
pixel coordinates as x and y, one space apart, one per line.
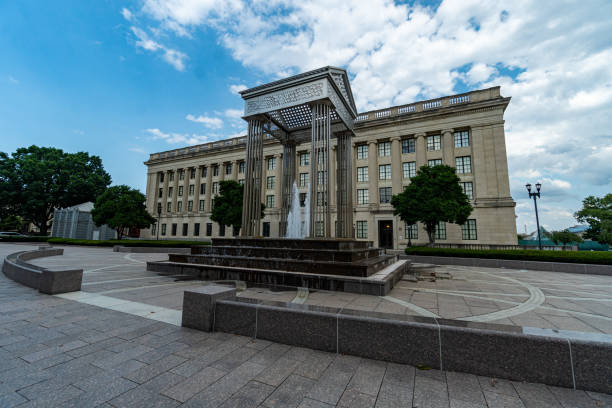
251 203
537 221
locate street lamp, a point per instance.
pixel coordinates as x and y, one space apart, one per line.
535 195
158 216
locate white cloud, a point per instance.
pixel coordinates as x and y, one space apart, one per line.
13 80
178 138
234 113
171 56
213 123
137 150
236 89
127 14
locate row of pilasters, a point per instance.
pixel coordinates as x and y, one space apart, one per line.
251 207
320 146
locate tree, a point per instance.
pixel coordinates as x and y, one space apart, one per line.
597 212
36 180
564 237
434 195
121 207
227 206
11 223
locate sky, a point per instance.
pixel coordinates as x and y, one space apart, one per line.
123 79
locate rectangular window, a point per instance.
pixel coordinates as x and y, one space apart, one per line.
434 162
241 167
202 188
362 174
191 189
408 146
196 229
208 229
173 230
201 205
468 230
170 191
179 206
182 175
266 229
185 229
204 171
180 191
169 207
384 149
433 143
304 179
462 139
171 176
163 229
463 164
269 201
159 208
270 182
304 159
302 199
215 188
271 163
384 172
221 230
362 229
362 152
228 168
440 230
161 192
411 231
385 195
190 205
161 177
192 173
408 170
362 196
215 171
468 189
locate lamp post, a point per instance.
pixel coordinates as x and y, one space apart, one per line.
158 217
535 195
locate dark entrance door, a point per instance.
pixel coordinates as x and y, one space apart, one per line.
385 234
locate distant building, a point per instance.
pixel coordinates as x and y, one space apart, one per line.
76 222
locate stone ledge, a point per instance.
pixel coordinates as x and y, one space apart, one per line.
151 250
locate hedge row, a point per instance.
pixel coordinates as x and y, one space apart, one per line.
24 239
110 242
584 257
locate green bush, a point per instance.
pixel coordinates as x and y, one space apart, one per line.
127 242
600 257
33 238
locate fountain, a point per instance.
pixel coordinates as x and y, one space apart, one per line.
294 219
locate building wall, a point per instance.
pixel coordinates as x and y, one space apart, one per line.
480 114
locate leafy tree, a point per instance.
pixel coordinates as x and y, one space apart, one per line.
597 212
564 237
227 206
434 195
121 207
10 223
35 180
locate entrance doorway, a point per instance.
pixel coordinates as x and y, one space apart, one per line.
385 234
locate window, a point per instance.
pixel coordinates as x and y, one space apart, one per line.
170 191
163 229
304 179
191 189
208 229
434 162
202 188
159 208
215 171
468 230
179 206
385 195
266 229
433 143
196 229
241 182
270 182
384 149
182 175
302 199
161 192
169 207
408 170
161 177
190 205
462 139
221 230
362 152
384 172
192 174
171 176
440 230
185 229
201 205
362 196
362 174
362 229
215 188
173 229
204 171
228 168
304 159
464 164
319 228
271 163
408 146
180 191
468 189
241 167
269 201
411 231
153 229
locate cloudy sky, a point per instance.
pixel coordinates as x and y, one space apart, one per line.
122 79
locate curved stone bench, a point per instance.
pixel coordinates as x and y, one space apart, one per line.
47 281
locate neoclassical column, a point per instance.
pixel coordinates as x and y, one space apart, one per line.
344 179
251 207
320 216
396 165
175 189
421 151
196 187
208 193
448 148
186 182
286 183
235 165
373 173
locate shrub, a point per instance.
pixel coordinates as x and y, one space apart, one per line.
127 242
34 238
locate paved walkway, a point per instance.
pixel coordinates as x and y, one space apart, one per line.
59 352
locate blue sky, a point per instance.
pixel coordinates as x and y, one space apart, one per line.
122 79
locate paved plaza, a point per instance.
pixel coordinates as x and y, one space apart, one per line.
119 342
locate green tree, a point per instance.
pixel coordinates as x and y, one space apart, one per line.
36 180
434 195
564 237
121 207
597 212
227 206
11 223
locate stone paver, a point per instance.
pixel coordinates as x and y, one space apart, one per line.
58 352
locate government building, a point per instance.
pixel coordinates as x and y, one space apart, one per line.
465 131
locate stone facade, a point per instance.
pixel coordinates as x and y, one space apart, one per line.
465 131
